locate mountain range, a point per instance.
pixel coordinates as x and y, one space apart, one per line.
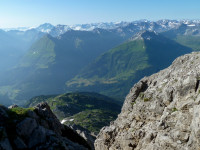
115 71
14 43
95 66
158 26
53 59
50 62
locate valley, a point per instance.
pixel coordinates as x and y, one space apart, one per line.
68 62
81 75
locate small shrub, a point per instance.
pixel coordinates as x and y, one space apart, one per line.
147 99
174 109
141 95
133 103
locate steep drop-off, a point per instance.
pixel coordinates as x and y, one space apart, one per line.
160 112
36 128
88 110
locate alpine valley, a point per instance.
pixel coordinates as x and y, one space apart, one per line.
58 59
73 79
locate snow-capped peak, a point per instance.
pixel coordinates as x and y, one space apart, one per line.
46 28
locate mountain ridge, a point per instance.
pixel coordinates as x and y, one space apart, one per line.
36 128
87 110
52 58
124 65
159 25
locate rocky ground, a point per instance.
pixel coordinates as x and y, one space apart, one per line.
160 112
36 128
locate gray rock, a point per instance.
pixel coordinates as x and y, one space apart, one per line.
19 143
4 141
26 127
13 106
3 114
160 112
39 130
33 115
37 137
43 110
5 144
85 134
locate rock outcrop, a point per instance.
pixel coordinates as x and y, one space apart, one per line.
86 134
160 112
36 128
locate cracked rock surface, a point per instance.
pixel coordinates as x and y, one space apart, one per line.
161 111
36 128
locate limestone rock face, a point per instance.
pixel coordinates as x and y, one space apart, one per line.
160 112
36 128
85 134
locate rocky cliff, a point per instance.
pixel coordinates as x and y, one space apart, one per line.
36 128
160 112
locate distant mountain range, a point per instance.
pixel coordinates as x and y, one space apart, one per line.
50 62
104 57
13 45
159 26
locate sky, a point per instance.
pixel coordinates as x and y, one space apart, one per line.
32 13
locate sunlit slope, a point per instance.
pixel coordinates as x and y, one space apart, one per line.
115 72
89 110
50 62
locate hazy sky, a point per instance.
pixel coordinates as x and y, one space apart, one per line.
15 13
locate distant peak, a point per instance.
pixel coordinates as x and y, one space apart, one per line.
46 27
147 35
46 24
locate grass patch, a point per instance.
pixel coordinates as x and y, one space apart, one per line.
174 109
93 120
141 95
18 113
15 116
147 99
133 103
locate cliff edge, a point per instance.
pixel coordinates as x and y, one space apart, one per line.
36 128
161 111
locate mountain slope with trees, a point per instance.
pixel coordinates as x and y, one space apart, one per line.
114 72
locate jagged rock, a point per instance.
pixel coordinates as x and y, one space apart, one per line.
19 143
26 127
37 137
44 111
13 106
5 144
160 112
36 128
4 141
3 114
85 134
